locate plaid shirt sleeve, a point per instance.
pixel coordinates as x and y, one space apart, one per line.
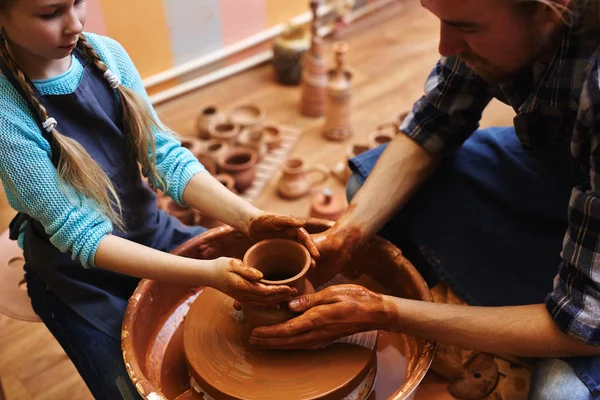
574 303
451 108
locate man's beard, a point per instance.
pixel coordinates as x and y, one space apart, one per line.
483 68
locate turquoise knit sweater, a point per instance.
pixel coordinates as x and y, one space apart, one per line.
30 179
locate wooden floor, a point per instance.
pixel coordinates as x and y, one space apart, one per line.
391 54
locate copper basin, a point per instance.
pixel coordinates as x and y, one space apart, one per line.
151 327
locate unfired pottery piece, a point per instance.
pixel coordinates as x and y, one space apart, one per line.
224 131
295 181
313 101
282 262
194 145
240 163
339 89
209 115
215 149
247 115
255 139
272 134
327 204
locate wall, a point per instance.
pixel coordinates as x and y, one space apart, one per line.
162 34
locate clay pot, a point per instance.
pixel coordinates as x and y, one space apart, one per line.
328 205
288 52
209 115
240 163
247 115
378 138
186 215
255 139
224 131
295 180
282 262
194 145
215 149
272 135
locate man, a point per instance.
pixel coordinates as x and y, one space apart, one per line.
487 209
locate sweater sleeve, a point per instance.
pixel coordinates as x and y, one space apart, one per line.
32 184
175 163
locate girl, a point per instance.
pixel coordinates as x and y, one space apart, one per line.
75 128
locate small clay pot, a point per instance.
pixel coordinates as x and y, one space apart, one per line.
295 181
327 205
378 138
247 115
240 163
186 215
255 139
228 181
209 115
282 262
224 131
273 135
194 145
214 149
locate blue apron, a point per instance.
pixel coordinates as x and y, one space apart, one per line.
92 116
490 222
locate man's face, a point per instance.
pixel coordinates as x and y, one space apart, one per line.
492 37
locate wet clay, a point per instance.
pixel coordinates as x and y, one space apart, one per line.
225 365
153 319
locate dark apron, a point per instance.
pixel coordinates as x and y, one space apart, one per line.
91 115
491 221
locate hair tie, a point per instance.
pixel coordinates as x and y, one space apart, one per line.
49 124
112 79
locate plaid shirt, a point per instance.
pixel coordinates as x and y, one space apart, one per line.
559 101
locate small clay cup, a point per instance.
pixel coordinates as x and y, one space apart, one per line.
240 163
253 138
282 262
215 149
209 115
194 145
247 114
272 135
224 131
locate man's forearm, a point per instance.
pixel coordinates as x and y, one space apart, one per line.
400 171
526 331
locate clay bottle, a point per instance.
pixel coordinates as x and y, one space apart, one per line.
314 75
337 124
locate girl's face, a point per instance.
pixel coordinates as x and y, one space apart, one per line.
43 30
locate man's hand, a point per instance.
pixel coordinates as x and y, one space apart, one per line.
328 315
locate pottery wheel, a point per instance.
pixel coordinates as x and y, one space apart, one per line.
225 366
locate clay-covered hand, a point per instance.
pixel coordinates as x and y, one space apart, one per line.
241 282
328 315
335 247
269 225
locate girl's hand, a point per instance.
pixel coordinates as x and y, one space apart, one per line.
269 225
241 282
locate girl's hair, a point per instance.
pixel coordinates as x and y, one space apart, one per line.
75 166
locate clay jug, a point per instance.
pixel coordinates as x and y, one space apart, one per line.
240 163
282 262
295 181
